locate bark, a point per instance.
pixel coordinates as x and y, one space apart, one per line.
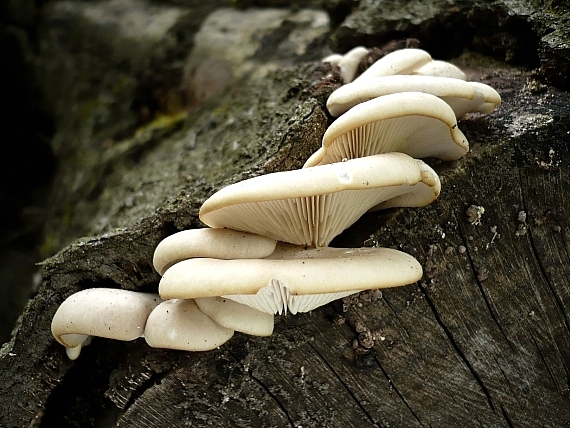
482 340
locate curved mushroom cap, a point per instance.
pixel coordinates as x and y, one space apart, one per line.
298 281
333 59
462 97
420 125
403 61
215 243
235 316
311 206
491 98
440 69
349 63
103 312
180 324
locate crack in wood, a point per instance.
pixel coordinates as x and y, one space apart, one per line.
479 283
458 350
400 395
538 259
345 386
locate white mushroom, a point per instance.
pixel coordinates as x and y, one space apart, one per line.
462 97
180 324
403 61
294 279
103 312
311 206
420 125
440 69
333 59
349 63
216 243
235 316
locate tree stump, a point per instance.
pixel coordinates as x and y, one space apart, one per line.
482 340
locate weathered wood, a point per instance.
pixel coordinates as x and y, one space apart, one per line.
482 340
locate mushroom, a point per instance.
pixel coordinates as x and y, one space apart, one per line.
348 63
402 61
235 316
462 97
440 69
103 312
180 324
420 125
293 279
216 243
311 206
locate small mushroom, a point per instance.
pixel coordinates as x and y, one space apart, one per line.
293 279
440 69
215 243
102 312
236 316
403 61
462 97
420 125
311 206
180 324
349 63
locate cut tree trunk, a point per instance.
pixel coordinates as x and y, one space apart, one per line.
482 340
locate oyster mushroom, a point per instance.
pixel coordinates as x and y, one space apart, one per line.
402 61
102 312
216 243
180 324
348 63
311 206
236 316
293 279
420 125
463 97
440 69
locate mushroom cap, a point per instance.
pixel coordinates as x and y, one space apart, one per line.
440 69
236 316
462 97
180 324
350 61
103 312
333 59
420 125
403 61
215 243
491 98
291 280
311 206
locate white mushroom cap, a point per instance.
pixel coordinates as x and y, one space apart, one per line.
420 125
215 243
180 324
295 281
491 98
440 69
462 97
103 312
333 59
235 316
311 206
349 63
403 61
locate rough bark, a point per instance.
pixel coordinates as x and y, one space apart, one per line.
482 340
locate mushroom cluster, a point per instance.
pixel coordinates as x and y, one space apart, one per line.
266 249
